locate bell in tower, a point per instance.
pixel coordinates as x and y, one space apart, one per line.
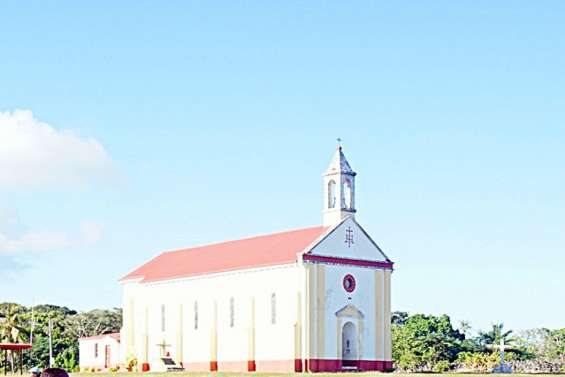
339 189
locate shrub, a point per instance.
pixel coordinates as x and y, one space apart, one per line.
482 361
441 366
131 362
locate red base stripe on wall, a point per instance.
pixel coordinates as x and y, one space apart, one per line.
197 367
233 366
282 366
298 365
336 365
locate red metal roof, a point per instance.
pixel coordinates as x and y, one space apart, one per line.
267 250
115 335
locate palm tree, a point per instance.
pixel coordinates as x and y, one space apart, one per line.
495 335
464 327
11 325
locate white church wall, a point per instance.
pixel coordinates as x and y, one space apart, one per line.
234 344
198 322
283 328
364 307
129 320
362 298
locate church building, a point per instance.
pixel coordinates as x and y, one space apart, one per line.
307 300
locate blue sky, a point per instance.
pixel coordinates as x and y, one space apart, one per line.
196 122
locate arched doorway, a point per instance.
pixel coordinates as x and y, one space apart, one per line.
349 345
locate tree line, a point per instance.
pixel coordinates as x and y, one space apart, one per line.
428 343
421 343
18 324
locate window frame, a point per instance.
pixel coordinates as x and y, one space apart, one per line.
232 312
163 318
195 313
273 308
332 194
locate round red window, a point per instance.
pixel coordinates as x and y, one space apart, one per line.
349 283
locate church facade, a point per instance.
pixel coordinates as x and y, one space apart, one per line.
307 300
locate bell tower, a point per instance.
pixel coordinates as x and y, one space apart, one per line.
339 190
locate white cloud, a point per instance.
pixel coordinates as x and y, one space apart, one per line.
10 221
38 241
27 241
91 232
33 153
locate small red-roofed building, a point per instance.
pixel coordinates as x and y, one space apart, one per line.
314 299
100 352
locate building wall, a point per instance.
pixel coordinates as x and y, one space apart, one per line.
331 307
312 307
361 247
87 352
215 343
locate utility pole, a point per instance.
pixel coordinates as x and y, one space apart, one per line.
50 342
31 333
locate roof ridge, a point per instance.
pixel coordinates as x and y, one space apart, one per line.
241 239
259 250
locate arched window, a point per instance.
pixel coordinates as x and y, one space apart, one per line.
232 312
273 308
331 194
163 317
347 194
195 315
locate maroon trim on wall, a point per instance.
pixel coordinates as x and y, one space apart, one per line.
323 365
347 261
288 366
372 365
335 365
298 365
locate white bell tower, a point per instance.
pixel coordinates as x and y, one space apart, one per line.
339 190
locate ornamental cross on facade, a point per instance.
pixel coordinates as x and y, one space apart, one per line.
163 345
349 237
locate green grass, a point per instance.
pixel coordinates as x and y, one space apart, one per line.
261 374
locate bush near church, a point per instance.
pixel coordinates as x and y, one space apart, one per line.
427 343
